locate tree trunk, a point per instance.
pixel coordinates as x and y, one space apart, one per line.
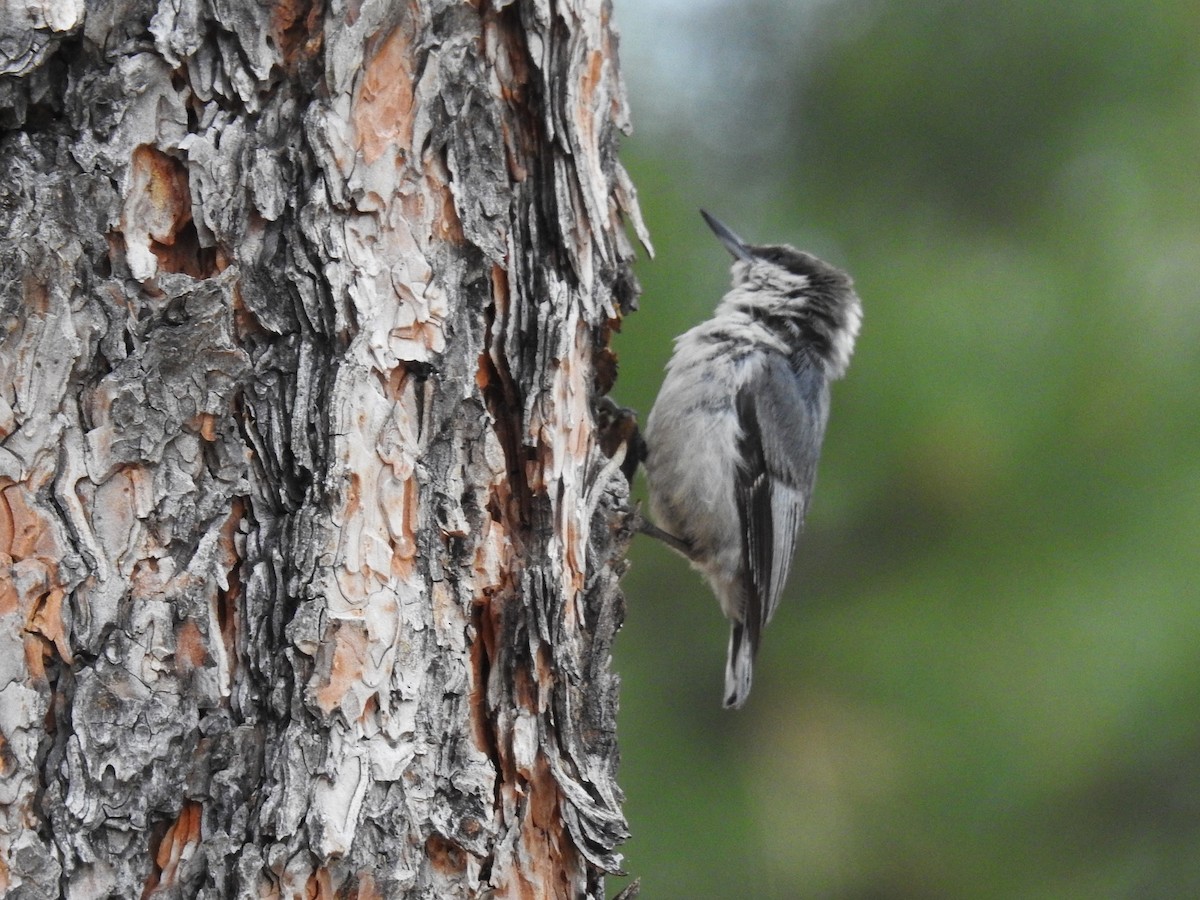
311 545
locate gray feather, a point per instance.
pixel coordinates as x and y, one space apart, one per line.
783 424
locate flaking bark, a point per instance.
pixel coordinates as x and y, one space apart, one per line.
308 547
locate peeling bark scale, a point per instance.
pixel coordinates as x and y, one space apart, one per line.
308 546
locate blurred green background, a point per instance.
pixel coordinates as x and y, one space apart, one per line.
985 679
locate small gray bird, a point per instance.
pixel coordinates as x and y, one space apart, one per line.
735 434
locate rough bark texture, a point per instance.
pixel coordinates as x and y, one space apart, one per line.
308 546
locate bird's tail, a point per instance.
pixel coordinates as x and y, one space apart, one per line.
739 667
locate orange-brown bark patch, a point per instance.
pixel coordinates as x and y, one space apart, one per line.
46 620
37 297
191 649
183 833
296 27
605 364
447 226
444 855
6 518
24 532
370 709
146 581
26 538
551 854
394 382
158 211
205 425
350 643
543 795
500 289
484 370
420 333
319 885
161 182
8 590
383 107
362 888
592 76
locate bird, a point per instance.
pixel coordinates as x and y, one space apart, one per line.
734 436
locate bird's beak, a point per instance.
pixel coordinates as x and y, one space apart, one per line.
732 242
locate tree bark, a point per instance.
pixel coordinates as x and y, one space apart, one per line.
310 544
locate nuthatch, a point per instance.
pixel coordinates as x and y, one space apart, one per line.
735 434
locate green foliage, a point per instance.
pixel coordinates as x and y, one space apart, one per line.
985 681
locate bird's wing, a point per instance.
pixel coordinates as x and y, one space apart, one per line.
782 417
